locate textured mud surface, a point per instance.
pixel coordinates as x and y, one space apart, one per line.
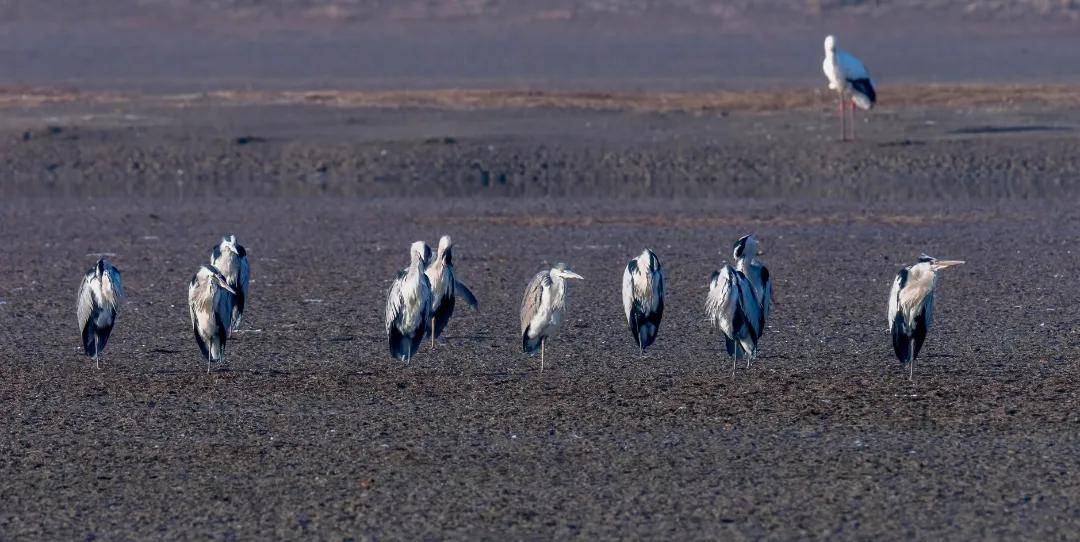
310 429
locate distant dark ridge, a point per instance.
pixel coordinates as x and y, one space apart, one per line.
67 163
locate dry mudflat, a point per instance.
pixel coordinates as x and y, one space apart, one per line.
310 430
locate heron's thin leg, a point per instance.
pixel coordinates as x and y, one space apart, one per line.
843 120
853 121
432 332
734 362
911 364
542 341
749 358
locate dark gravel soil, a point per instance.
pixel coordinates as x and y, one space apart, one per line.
311 430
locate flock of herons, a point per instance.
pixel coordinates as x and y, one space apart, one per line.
421 302
421 299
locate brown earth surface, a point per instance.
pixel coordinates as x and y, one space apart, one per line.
310 430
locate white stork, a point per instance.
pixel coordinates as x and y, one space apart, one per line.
846 75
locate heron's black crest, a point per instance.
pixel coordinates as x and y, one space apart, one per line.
740 246
926 259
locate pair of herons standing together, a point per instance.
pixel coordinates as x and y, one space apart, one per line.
216 298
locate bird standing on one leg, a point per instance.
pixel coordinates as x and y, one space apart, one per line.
210 303
542 308
643 298
100 297
732 309
445 288
408 305
847 74
230 258
911 307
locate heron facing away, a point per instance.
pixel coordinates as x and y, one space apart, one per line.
230 258
746 251
542 308
445 288
100 297
732 308
643 298
846 75
210 302
911 307
408 305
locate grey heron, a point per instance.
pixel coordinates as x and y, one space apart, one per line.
445 288
732 308
100 297
746 251
210 302
230 258
408 305
911 307
846 74
542 308
643 298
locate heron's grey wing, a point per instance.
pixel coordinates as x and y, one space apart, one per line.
244 274
628 288
85 304
394 300
117 286
894 297
466 294
530 303
766 292
749 306
426 295
928 310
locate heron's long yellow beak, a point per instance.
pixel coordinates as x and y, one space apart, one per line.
942 264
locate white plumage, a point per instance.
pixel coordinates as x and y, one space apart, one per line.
408 305
542 308
230 258
847 75
911 307
210 304
643 298
100 296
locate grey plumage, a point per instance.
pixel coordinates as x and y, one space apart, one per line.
100 296
911 307
210 304
733 310
445 288
643 298
542 308
746 251
230 258
408 305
